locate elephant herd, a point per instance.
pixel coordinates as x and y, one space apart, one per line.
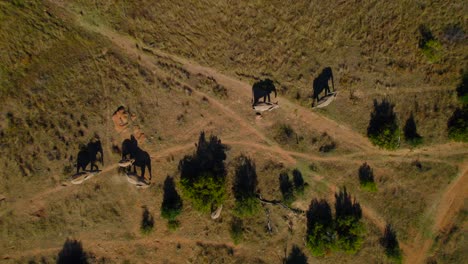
92 153
263 88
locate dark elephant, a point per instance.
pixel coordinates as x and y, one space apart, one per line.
142 159
321 83
262 89
90 154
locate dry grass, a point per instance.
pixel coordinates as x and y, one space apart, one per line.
61 84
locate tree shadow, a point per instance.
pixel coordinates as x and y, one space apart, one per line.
209 157
457 124
345 206
298 180
462 88
320 83
390 243
90 154
72 253
425 35
296 256
142 159
172 202
410 131
383 125
245 179
147 221
366 174
262 89
286 188
319 213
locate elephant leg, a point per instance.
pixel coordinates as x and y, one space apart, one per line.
143 172
269 100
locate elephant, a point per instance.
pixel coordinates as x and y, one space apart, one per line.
141 158
321 83
262 89
89 155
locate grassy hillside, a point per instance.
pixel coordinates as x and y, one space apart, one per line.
67 66
376 49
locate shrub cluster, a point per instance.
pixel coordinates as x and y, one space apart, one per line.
383 129
345 232
245 187
203 174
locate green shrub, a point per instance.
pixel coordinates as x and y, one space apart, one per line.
205 191
458 125
348 226
383 129
203 174
366 178
246 206
432 50
320 230
390 243
236 230
173 225
245 187
172 203
286 188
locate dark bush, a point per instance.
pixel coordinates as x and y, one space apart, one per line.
296 256
286 188
347 222
172 203
458 124
383 128
236 230
366 178
147 222
72 253
320 234
245 187
299 184
203 174
390 243
411 133
462 89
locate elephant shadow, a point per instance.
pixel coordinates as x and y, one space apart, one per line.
90 154
262 89
131 150
320 84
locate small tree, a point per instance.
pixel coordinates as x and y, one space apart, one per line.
72 253
147 222
296 256
203 174
411 133
366 178
383 129
348 225
171 204
458 125
236 230
390 243
299 184
245 187
287 188
320 233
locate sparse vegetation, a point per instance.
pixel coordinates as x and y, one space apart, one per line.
203 174
285 134
299 184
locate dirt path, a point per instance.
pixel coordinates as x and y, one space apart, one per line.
452 201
